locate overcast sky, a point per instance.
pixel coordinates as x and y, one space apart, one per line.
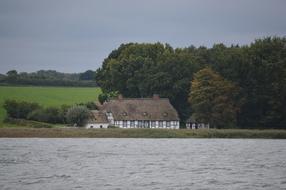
76 35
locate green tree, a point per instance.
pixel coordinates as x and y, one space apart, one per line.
12 76
107 96
258 69
141 70
212 99
87 75
77 115
19 109
12 73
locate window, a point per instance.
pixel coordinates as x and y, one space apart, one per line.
132 123
153 123
109 114
168 124
125 124
146 124
140 124
160 123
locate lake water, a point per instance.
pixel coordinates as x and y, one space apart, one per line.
36 164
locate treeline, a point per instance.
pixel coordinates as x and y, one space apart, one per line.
236 86
49 78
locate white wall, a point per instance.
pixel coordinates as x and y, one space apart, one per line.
173 124
96 125
197 125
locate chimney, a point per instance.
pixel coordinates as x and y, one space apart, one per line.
156 96
120 97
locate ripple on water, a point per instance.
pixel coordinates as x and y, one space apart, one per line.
142 164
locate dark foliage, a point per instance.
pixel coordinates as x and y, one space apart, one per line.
48 115
19 109
259 71
33 111
87 75
89 105
107 96
48 78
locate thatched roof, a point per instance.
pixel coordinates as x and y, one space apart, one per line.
141 109
97 117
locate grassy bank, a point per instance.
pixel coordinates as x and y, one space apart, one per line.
48 96
139 133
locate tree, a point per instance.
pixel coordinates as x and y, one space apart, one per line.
141 70
258 69
265 88
12 76
49 78
12 73
103 97
213 99
19 109
87 75
107 96
77 115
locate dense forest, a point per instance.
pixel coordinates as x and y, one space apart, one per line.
48 78
236 86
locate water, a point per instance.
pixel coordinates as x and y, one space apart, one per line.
36 164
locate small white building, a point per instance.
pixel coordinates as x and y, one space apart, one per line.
193 124
97 120
152 112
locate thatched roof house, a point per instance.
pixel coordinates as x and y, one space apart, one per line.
97 119
153 112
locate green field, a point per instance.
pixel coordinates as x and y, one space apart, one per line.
47 96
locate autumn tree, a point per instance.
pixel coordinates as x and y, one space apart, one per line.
212 99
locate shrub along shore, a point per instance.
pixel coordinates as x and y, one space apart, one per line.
9 132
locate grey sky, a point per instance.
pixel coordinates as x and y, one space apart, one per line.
76 35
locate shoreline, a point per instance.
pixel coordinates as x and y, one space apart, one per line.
22 132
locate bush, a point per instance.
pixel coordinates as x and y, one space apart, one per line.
19 109
89 105
49 115
77 115
37 115
54 115
33 111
